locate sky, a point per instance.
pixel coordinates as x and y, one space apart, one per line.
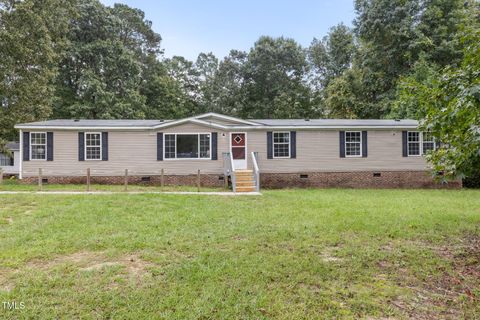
189 27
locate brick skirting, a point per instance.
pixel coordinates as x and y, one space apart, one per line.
206 180
360 179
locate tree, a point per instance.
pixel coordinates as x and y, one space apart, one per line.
408 98
394 34
31 42
332 55
275 69
451 103
206 67
229 84
102 70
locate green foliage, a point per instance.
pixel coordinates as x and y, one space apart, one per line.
101 73
31 39
394 35
410 90
450 101
332 55
453 112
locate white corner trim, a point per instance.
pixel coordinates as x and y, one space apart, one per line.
20 168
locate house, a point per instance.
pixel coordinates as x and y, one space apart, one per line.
250 153
10 163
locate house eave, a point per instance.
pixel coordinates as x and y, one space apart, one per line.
217 126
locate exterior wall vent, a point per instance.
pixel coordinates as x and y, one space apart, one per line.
304 176
145 179
377 174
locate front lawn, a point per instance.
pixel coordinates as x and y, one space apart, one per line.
289 254
14 185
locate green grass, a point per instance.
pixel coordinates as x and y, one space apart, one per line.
13 185
290 254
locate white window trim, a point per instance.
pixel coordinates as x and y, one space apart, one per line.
30 146
420 141
361 145
289 144
187 133
85 146
432 141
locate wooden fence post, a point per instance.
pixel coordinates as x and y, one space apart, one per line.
162 181
40 179
88 179
126 180
1 176
198 181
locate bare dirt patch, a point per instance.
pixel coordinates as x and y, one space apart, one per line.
449 294
5 283
6 220
87 261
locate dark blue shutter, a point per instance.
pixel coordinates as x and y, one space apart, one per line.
104 146
269 145
364 144
159 146
81 146
49 146
404 143
26 146
342 144
214 146
293 144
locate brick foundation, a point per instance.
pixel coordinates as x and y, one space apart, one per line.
361 179
206 180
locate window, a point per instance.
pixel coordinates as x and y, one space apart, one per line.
93 146
413 143
419 143
5 160
38 146
187 146
170 146
281 144
353 144
428 142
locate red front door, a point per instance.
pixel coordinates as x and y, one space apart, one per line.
238 142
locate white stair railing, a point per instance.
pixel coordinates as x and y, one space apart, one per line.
229 169
256 171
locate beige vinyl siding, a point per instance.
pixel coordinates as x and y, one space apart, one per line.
319 151
132 150
137 152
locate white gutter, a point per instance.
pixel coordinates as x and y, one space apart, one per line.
218 126
81 128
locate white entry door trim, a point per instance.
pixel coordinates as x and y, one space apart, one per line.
240 164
